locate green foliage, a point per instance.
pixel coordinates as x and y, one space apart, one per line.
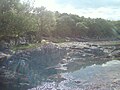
65 26
14 19
117 25
18 19
25 47
45 22
81 29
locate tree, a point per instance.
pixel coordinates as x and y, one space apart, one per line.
65 26
45 21
14 17
117 25
81 29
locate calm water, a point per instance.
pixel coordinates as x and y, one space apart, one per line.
105 76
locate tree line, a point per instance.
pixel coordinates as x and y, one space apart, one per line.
22 20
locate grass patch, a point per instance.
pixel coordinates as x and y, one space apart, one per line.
116 43
117 58
110 43
60 40
24 47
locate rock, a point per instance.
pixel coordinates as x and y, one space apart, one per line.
77 82
3 56
57 77
63 61
3 45
44 41
94 50
32 63
12 80
116 53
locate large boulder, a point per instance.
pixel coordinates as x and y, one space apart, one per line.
115 53
33 63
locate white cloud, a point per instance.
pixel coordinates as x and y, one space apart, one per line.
49 4
101 12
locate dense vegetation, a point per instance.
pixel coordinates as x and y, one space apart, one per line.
21 20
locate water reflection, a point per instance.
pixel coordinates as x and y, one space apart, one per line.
111 63
92 77
95 74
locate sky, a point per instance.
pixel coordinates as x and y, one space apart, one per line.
107 9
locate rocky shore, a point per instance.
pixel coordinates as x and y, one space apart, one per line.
26 69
